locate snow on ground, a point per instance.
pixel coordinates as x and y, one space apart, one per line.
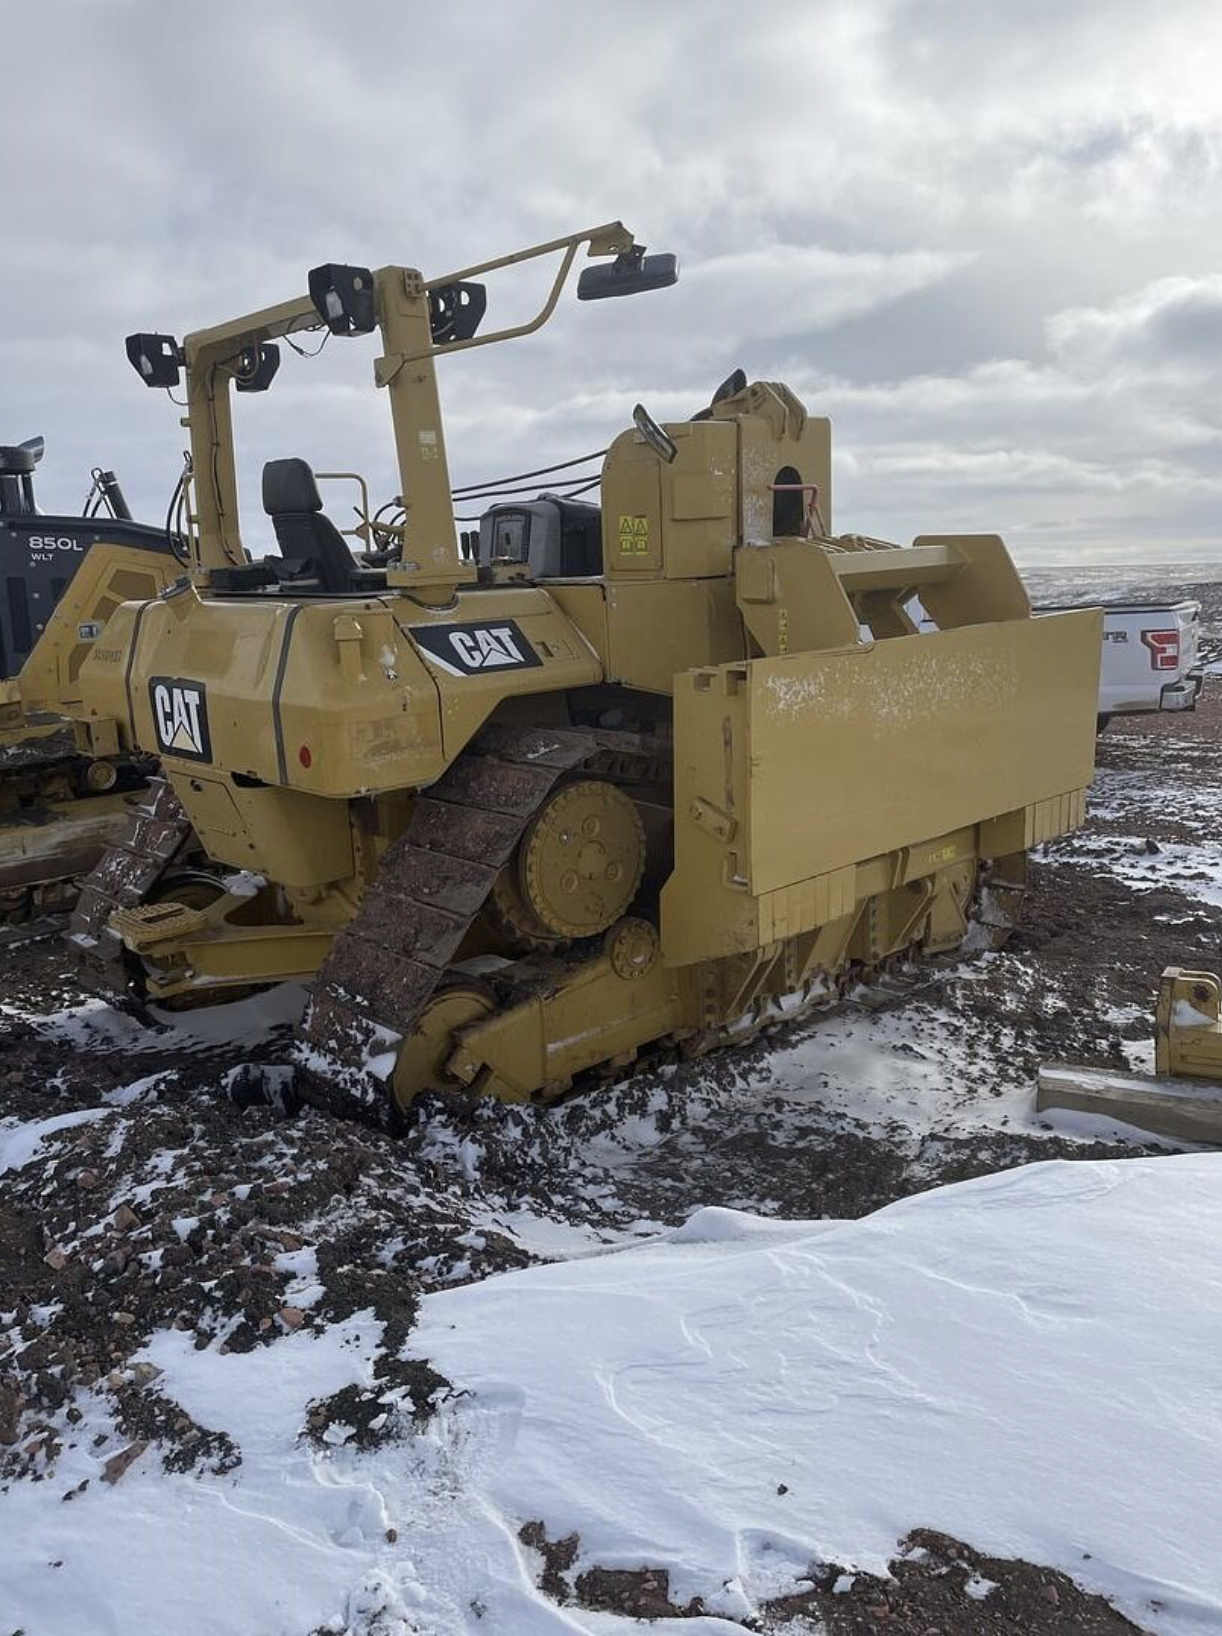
1193 867
92 1024
268 1549
1002 1359
20 1142
999 1360
1162 783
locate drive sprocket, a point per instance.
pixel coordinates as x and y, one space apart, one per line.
581 860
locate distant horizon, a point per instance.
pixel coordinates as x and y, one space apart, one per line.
1186 566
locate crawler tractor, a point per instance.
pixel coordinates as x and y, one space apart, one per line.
40 553
65 786
521 813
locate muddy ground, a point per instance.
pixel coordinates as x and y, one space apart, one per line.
170 1198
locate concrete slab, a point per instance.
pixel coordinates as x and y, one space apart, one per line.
1186 1110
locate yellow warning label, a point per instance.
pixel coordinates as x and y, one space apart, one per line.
634 534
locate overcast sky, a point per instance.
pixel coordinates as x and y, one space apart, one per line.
986 238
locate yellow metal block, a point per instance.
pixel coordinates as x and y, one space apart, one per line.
1188 1024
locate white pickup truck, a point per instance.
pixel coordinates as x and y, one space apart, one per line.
1149 657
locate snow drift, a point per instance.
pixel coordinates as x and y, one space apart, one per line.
1028 1362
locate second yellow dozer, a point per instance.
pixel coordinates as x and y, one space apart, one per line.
67 784
520 817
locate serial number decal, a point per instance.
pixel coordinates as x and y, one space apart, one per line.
476 648
180 717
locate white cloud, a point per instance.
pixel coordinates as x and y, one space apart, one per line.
987 239
1173 326
779 290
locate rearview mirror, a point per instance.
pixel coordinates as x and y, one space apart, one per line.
629 274
662 444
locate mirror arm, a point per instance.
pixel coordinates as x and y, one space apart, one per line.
537 322
612 238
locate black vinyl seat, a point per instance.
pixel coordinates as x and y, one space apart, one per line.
311 545
315 558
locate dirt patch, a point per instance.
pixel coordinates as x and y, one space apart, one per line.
235 1227
144 1415
638 1593
937 1586
940 1587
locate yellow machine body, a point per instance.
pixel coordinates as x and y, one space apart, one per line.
783 780
67 787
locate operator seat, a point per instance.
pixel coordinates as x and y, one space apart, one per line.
308 540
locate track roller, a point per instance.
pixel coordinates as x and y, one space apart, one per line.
423 1055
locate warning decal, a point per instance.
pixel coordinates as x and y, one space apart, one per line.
633 534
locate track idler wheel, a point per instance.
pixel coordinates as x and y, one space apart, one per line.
15 905
423 1055
580 862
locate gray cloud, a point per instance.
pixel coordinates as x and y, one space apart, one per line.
986 240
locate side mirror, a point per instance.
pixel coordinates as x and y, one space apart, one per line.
729 388
256 367
157 359
343 298
662 444
629 274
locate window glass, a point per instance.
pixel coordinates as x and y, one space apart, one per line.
788 504
511 536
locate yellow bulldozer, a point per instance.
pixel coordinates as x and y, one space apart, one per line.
522 812
66 785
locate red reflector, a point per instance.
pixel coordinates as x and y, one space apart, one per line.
1164 649
304 756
